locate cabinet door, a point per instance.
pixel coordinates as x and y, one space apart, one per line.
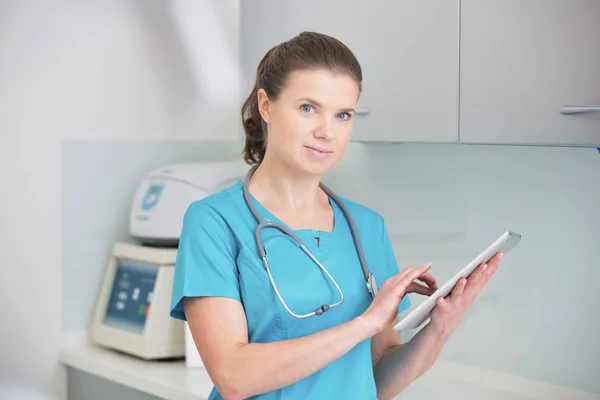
408 51
521 61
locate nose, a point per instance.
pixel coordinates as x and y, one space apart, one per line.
325 129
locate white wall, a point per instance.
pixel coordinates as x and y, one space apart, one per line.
68 70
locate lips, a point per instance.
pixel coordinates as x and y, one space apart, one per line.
319 150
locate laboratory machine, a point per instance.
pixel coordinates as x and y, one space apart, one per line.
164 195
132 313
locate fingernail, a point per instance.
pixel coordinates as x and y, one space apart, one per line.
501 255
484 267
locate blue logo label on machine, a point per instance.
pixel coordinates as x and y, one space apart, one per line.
151 197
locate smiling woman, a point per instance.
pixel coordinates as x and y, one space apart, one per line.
304 97
303 325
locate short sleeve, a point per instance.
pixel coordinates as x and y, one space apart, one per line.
206 259
391 265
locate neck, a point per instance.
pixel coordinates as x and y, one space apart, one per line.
277 184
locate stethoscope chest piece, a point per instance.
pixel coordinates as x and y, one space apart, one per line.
372 285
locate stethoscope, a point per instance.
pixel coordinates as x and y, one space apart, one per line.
262 223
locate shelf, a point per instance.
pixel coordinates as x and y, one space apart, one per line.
170 380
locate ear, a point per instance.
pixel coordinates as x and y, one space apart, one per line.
264 105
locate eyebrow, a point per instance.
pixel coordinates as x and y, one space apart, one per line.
316 103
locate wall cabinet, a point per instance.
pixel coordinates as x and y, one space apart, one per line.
521 61
408 51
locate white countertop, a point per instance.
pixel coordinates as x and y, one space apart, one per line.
173 380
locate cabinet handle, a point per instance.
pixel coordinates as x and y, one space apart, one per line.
577 110
362 111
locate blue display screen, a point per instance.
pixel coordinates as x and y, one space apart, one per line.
131 295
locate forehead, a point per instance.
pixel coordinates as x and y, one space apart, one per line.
326 87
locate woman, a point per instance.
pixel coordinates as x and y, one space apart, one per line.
300 341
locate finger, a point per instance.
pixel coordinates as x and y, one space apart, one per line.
414 287
404 281
487 274
417 273
413 272
495 260
459 288
475 281
477 275
429 280
442 303
475 286
487 271
497 257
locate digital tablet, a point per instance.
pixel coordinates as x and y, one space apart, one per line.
421 313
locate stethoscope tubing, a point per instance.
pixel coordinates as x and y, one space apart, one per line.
262 223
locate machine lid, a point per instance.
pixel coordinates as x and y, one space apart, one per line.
206 176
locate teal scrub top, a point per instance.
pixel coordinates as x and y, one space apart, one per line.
218 256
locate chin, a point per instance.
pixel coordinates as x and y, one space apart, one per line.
315 170
311 167
307 164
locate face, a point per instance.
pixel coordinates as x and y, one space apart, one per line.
310 124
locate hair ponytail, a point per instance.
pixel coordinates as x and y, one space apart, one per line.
256 138
254 126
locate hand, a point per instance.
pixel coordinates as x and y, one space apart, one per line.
448 312
384 307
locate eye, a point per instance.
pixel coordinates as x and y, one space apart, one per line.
345 116
306 108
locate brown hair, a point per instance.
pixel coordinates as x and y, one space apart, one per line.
308 50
